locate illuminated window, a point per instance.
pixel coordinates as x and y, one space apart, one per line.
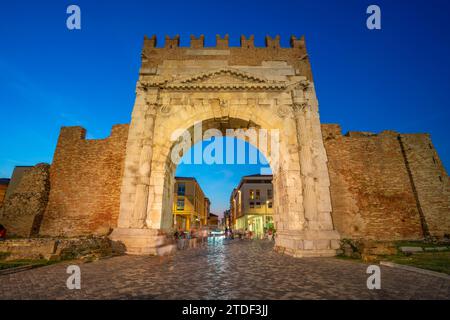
252 194
180 204
181 189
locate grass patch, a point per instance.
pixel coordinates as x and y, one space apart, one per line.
423 244
20 263
4 255
435 261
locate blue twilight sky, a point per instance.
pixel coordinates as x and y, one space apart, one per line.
397 78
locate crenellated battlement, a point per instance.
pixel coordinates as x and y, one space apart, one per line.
223 43
223 55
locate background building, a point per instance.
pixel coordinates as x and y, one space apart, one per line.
213 220
227 221
190 206
206 210
252 204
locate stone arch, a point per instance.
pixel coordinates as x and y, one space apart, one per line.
301 183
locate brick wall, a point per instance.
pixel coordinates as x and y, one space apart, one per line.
371 192
23 208
3 188
86 177
431 182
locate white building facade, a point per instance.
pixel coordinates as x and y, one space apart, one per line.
252 205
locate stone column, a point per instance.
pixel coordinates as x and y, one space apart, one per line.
321 176
132 230
317 237
145 160
303 119
132 160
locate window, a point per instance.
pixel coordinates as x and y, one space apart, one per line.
181 189
258 204
258 194
269 194
180 204
269 204
252 194
252 204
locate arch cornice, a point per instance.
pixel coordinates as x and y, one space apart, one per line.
223 79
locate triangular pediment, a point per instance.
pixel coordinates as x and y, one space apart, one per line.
225 75
223 79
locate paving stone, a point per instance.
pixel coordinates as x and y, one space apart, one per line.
239 269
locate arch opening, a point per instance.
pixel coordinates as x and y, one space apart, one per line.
232 146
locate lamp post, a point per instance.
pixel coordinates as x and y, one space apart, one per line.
240 208
265 217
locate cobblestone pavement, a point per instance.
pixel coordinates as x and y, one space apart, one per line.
228 269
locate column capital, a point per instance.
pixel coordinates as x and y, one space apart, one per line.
299 107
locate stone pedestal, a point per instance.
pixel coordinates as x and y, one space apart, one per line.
308 243
143 241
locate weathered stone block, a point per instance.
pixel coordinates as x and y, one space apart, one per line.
411 249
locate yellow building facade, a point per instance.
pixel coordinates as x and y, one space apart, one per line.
190 205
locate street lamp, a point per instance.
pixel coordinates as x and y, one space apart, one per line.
265 218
